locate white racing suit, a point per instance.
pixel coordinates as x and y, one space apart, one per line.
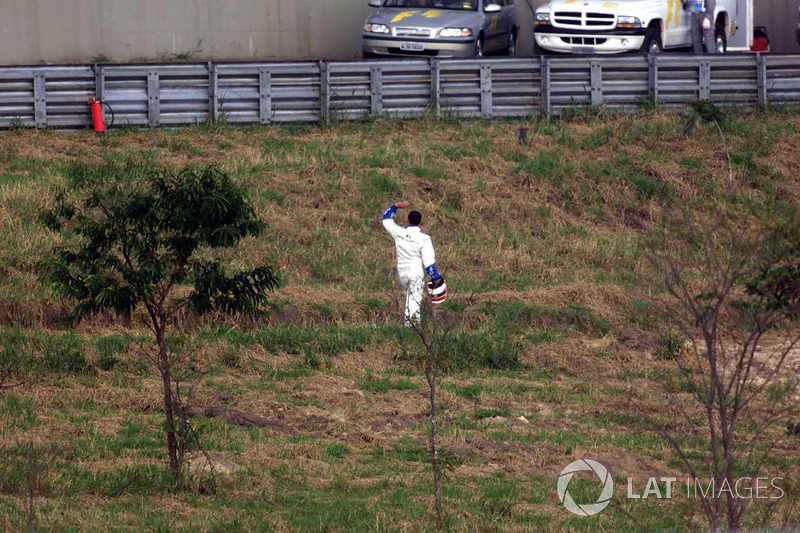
415 258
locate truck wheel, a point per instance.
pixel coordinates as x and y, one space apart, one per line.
479 47
652 43
720 40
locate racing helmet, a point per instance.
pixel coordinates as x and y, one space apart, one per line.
437 291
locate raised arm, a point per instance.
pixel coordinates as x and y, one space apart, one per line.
388 218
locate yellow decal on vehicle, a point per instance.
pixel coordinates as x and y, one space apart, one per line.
673 5
493 24
404 15
610 5
570 1
433 13
669 13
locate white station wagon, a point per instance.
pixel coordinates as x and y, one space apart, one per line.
441 28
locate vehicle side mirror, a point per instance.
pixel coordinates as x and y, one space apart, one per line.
375 3
492 8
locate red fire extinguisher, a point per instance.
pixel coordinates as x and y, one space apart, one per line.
97 115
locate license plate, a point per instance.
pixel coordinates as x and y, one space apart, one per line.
583 49
412 47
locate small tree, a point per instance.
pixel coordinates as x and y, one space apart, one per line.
433 331
133 236
732 293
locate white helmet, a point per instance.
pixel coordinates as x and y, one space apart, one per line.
437 291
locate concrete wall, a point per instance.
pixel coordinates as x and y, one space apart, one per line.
34 31
780 18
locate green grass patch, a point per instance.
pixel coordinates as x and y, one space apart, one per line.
519 317
471 392
337 450
17 412
465 350
546 165
299 340
373 383
36 351
378 184
482 413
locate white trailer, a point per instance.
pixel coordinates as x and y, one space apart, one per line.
742 39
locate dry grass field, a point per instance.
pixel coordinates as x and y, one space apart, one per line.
560 352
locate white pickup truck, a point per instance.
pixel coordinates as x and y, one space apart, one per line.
617 26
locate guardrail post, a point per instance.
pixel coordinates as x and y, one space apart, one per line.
705 80
652 62
153 98
40 99
436 86
545 86
376 90
324 92
99 82
213 101
597 84
761 62
486 90
265 95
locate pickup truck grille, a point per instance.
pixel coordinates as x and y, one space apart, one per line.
569 18
412 32
581 19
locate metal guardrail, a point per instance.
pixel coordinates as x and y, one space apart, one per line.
253 93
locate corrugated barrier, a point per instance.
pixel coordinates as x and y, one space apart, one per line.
261 93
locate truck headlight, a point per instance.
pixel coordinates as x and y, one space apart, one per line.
455 32
543 18
376 28
628 22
